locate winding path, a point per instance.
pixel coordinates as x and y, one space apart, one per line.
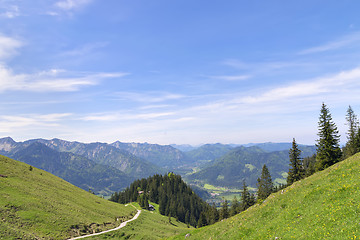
123 224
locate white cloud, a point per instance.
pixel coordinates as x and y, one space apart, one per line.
71 4
84 50
53 80
153 97
50 81
8 47
329 84
115 116
10 11
231 77
235 63
340 43
13 123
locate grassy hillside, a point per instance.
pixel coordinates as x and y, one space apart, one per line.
37 204
323 206
149 225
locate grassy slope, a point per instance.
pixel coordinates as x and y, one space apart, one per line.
323 206
38 204
149 225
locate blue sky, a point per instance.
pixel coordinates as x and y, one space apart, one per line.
177 71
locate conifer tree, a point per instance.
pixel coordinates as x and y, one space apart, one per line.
224 212
264 184
296 170
352 145
213 215
235 207
328 151
309 165
246 200
202 220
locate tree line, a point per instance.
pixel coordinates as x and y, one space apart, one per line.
328 151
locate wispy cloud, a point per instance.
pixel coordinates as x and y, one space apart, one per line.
9 11
347 40
8 47
50 81
53 80
67 7
84 50
116 116
235 63
71 4
318 86
231 77
152 97
10 123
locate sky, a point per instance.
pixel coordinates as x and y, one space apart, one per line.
181 71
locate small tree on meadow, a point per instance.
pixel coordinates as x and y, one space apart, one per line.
246 198
235 207
296 170
352 145
264 184
328 151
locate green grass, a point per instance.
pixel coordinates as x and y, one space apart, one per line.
37 204
324 206
149 225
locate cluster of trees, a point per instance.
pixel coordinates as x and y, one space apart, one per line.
174 197
247 198
328 150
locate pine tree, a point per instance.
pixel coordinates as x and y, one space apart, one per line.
296 170
235 207
309 165
202 220
224 212
352 145
265 184
246 200
328 151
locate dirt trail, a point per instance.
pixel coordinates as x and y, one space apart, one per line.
110 230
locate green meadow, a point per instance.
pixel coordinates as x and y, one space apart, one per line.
149 225
37 204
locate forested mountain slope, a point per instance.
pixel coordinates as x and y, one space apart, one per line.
245 163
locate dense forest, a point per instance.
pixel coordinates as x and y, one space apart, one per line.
174 197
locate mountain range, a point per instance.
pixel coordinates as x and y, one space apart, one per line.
106 168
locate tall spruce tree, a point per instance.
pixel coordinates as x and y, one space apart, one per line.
296 170
246 200
309 165
328 151
352 145
264 184
224 212
235 207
